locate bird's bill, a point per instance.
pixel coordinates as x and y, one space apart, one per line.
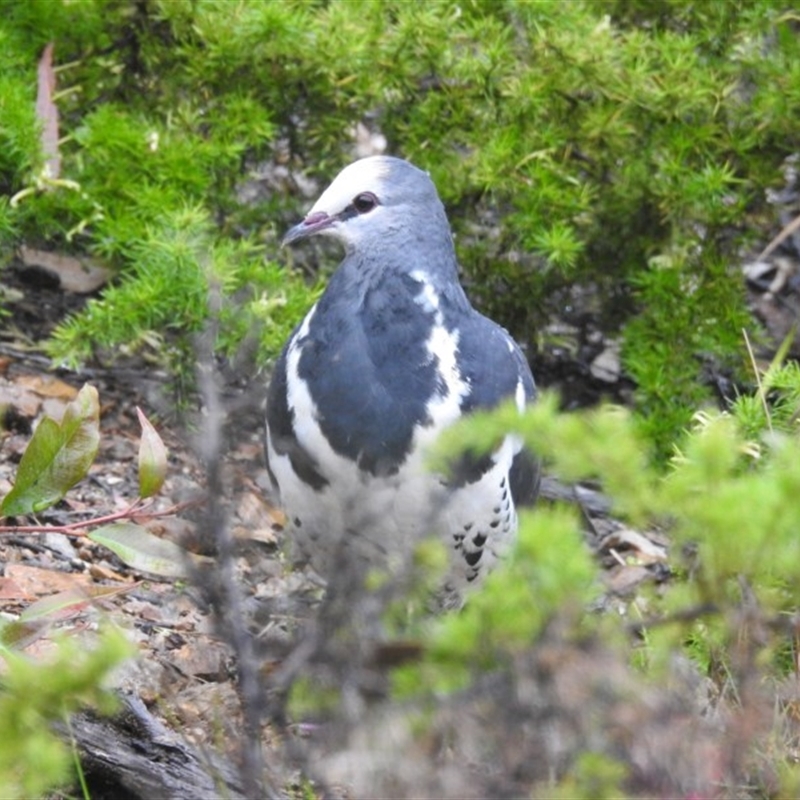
313 223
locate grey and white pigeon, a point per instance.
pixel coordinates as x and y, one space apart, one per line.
391 354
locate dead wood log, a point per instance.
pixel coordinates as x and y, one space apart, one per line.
133 756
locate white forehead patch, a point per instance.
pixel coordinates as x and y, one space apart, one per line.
365 175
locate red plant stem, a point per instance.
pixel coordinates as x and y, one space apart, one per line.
75 528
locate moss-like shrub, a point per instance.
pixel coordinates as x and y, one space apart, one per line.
612 150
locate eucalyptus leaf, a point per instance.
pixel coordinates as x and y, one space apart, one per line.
57 457
142 550
152 458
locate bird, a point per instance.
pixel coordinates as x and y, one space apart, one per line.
391 354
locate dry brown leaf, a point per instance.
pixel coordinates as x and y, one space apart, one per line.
255 512
41 650
247 451
248 534
22 399
11 590
47 112
81 276
102 573
625 579
647 552
48 386
38 581
202 659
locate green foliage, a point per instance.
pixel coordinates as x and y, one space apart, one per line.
593 775
58 456
689 313
148 166
712 492
619 146
309 698
33 695
766 418
550 571
18 141
177 263
732 519
738 516
142 550
775 407
152 459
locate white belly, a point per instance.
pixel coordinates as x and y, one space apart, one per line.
380 519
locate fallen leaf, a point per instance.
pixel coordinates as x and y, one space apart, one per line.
38 619
624 580
19 397
257 513
606 366
207 661
48 386
38 581
103 573
10 590
79 275
625 538
143 551
248 534
47 112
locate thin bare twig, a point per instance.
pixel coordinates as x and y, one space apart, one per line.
136 509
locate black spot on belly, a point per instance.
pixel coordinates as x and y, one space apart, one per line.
473 558
297 522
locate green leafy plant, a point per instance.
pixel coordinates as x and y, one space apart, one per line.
60 454
731 607
34 695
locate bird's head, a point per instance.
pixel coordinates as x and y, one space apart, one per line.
372 201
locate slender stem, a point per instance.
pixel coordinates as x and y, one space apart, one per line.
77 529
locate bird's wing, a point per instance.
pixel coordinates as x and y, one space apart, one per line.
496 371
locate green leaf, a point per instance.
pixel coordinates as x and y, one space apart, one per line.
38 619
57 457
152 458
143 551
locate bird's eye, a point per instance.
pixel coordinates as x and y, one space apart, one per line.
364 203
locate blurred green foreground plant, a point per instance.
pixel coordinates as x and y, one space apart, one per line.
732 516
34 695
